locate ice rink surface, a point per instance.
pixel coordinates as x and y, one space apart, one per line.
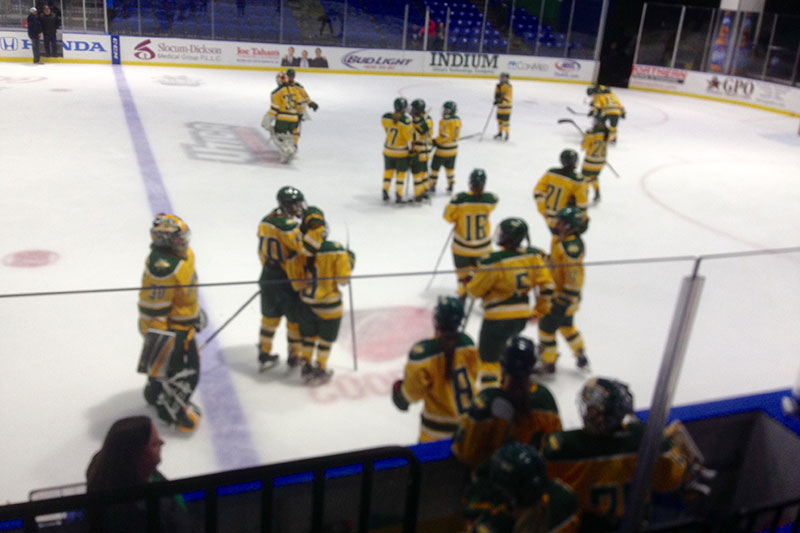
89 153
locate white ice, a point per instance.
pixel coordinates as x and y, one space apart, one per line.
696 177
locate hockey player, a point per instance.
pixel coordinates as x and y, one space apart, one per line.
399 133
558 188
441 372
598 461
421 148
512 493
279 239
302 100
503 96
282 119
567 269
169 317
520 409
472 237
595 146
606 104
504 280
446 144
317 279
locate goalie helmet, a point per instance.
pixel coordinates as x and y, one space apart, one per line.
291 201
280 78
170 232
575 217
477 179
521 471
519 357
449 313
418 106
400 104
604 403
569 158
511 232
449 108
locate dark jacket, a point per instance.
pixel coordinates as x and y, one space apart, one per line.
34 26
49 24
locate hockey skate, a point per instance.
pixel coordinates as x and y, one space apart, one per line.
385 196
449 187
581 361
499 136
315 375
266 361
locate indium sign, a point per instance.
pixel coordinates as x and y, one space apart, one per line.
377 60
460 62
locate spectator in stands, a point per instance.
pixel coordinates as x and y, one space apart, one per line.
318 61
325 20
304 61
289 60
130 454
431 30
34 32
438 42
49 26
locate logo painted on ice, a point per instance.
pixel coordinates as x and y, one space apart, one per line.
9 44
567 65
142 51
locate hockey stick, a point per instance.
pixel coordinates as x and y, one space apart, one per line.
573 111
436 268
569 120
466 315
352 311
209 339
470 136
487 121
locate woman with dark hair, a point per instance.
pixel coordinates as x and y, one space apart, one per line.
129 456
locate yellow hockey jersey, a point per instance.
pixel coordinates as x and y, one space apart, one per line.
445 397
470 213
595 144
607 103
505 279
318 281
567 269
163 305
279 239
300 97
557 189
399 134
492 421
423 133
503 96
284 105
449 133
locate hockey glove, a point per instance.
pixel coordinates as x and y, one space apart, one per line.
201 321
397 396
313 105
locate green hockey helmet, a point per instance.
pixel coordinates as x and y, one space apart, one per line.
291 201
449 108
313 217
477 179
511 232
575 217
504 76
521 471
604 404
290 72
569 158
418 106
400 104
518 357
449 313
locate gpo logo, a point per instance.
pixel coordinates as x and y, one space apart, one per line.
9 44
142 51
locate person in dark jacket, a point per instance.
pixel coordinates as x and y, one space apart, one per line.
49 25
34 31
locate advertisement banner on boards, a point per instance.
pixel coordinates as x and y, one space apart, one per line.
15 44
86 46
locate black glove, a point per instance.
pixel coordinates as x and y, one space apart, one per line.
313 105
397 396
201 321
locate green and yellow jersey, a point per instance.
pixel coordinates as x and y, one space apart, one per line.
399 135
318 282
492 421
608 104
284 104
567 270
279 239
300 97
162 304
445 396
423 134
503 96
470 213
557 189
599 467
504 280
595 144
449 133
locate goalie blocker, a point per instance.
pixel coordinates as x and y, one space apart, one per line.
172 364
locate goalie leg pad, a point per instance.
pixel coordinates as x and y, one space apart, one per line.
156 352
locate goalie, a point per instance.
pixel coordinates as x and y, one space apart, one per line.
283 118
169 317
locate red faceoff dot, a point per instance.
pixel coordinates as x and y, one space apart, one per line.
30 258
